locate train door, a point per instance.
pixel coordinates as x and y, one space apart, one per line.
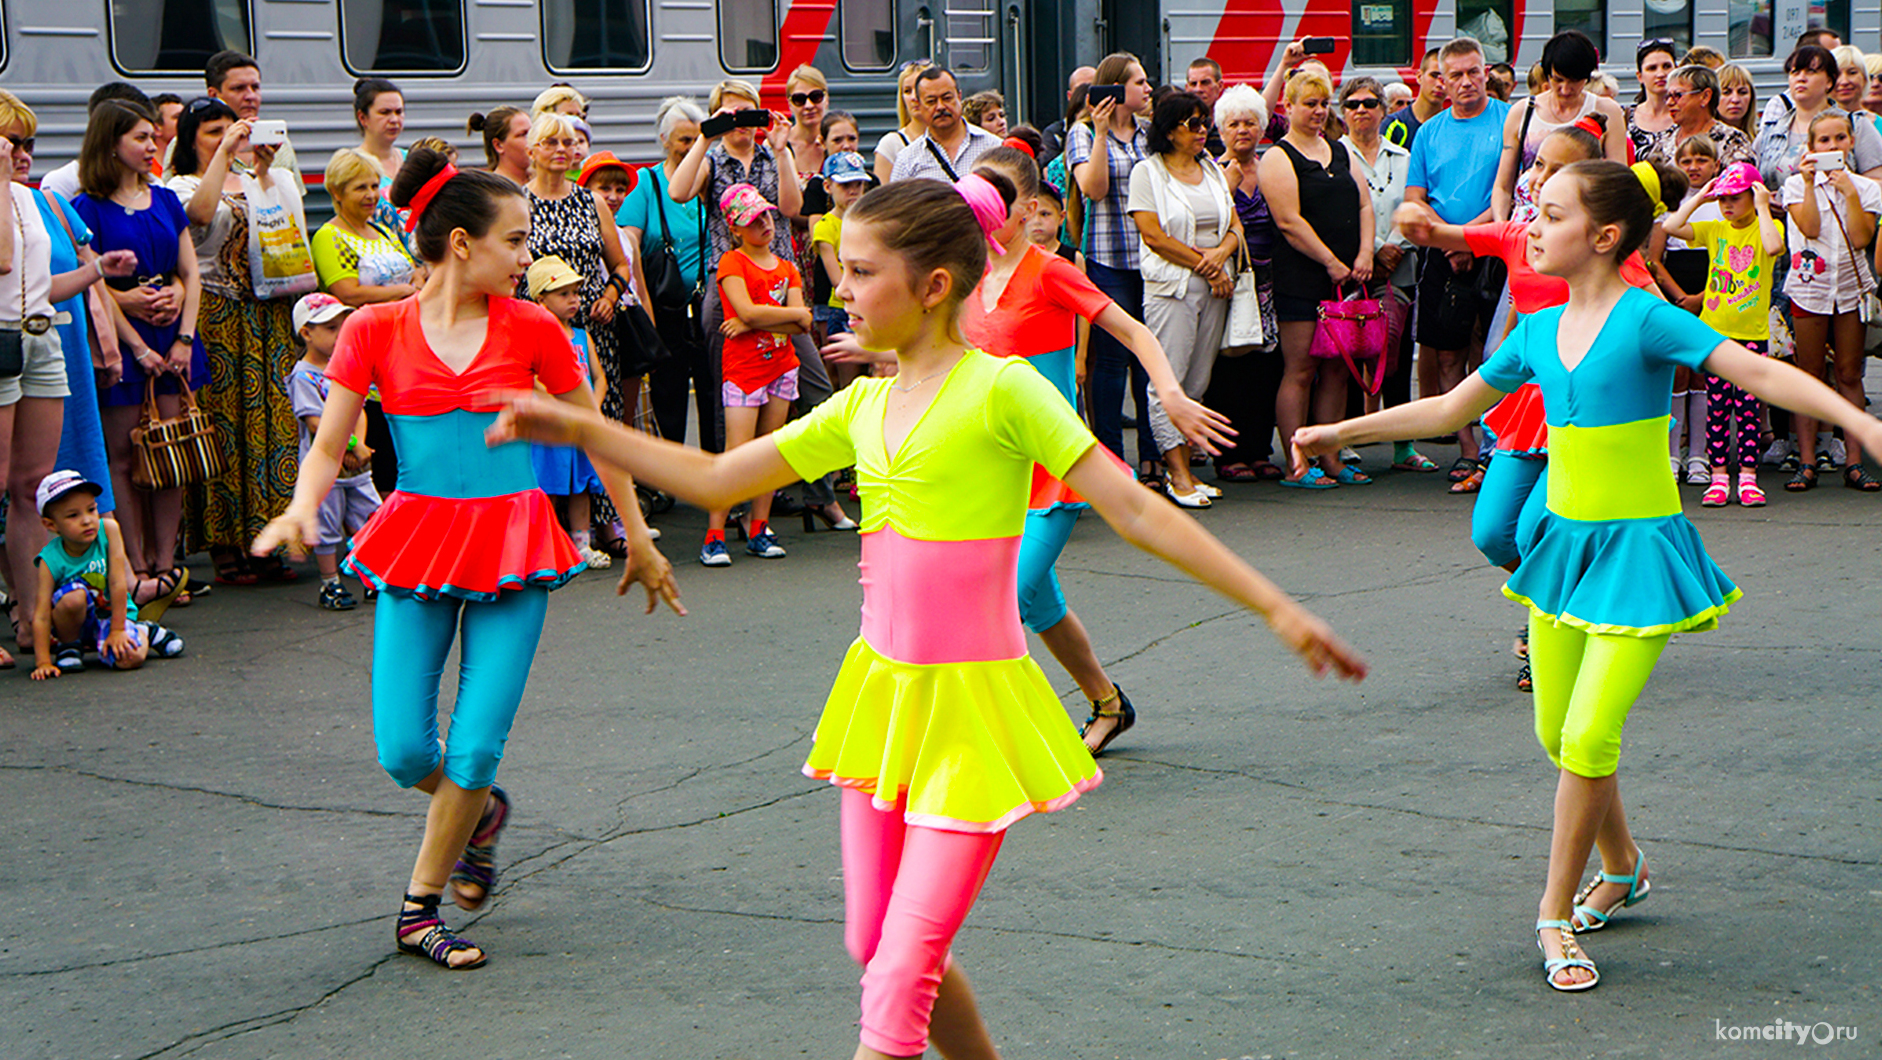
972 43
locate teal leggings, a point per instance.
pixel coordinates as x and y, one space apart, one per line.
1585 685
1041 601
411 640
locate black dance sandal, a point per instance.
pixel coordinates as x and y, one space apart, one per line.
478 866
1121 710
1803 479
435 942
1857 477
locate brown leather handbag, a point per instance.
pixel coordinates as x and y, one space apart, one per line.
182 451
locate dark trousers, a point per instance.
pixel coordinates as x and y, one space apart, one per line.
1110 366
1243 388
684 335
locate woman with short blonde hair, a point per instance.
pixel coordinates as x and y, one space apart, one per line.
555 97
912 123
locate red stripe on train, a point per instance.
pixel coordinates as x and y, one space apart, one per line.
806 27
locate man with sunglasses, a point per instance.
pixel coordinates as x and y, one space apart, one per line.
951 146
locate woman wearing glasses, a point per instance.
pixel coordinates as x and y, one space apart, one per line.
809 94
1569 59
1383 167
1180 202
1649 118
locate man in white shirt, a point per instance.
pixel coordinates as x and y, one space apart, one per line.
951 146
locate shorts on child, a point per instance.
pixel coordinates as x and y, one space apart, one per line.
835 319
43 371
96 627
350 502
784 386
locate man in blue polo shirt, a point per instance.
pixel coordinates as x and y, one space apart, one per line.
1453 169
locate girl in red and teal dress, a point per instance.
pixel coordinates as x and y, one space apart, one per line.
1612 568
940 729
468 547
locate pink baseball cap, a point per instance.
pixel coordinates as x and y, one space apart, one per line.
742 204
1737 179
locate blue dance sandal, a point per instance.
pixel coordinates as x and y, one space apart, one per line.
1571 957
1588 918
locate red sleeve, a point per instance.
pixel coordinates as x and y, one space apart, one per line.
797 278
1072 290
1498 239
355 361
552 355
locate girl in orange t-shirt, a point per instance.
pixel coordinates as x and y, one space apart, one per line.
764 306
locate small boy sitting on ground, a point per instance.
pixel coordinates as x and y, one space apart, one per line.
85 587
317 320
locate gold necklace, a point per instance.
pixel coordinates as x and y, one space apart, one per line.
912 387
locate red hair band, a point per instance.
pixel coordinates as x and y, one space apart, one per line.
1020 145
427 193
1593 128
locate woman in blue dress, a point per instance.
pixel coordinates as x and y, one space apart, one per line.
126 210
1612 568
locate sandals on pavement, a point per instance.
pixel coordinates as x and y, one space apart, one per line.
1193 500
1525 681
1416 462
1314 479
169 586
1572 957
1587 918
1268 471
1121 710
1469 484
1236 473
1352 476
1857 477
1805 478
434 941
478 866
1461 468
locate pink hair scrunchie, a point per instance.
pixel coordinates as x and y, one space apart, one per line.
988 206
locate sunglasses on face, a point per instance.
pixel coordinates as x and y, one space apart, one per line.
1196 123
23 143
815 95
1358 104
1675 95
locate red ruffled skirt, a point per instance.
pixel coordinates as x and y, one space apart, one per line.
1518 421
427 547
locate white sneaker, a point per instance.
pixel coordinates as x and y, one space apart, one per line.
653 533
1837 453
1348 455
1677 470
1780 449
595 558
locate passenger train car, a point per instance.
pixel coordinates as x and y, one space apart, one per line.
452 57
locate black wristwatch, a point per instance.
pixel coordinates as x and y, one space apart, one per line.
184 336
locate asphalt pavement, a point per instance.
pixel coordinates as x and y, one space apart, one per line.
203 859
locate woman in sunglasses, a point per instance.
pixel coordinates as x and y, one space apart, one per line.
808 92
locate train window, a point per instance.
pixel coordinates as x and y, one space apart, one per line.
1749 34
596 34
868 34
1382 33
970 35
1668 20
1489 21
176 36
1588 17
748 35
402 36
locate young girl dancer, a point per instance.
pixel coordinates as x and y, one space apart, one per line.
467 541
1743 247
940 729
1613 568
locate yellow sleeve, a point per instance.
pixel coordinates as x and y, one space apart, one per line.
821 442
1029 416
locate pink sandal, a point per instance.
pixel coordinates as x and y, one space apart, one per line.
1749 494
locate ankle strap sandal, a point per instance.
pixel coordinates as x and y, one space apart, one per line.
1120 708
435 941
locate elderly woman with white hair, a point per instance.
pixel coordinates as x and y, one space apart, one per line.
567 221
1245 380
657 224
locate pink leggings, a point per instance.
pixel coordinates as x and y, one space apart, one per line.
906 890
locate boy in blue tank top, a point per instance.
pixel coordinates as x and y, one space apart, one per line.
85 587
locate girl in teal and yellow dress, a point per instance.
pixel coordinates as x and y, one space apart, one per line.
940 730
1612 568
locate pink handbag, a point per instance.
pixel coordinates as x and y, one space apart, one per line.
1354 329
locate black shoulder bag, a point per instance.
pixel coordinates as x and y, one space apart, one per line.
943 159
667 288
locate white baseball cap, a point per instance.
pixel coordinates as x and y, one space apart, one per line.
60 483
318 308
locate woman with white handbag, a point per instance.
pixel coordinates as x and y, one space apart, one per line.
1179 199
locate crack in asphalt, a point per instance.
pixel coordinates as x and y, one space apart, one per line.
236 1028
192 949
191 789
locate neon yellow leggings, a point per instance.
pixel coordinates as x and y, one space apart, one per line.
1584 686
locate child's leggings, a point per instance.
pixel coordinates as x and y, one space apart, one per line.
1731 406
1041 601
906 890
1585 683
1510 502
411 639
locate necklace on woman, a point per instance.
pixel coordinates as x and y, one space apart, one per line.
912 387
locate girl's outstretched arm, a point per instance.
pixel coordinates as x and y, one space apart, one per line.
1787 387
708 480
645 565
1204 426
1150 523
1442 414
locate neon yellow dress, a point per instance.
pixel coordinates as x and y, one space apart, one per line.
937 696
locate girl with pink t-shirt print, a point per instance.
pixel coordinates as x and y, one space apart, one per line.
763 297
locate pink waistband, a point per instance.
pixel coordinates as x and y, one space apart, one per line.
928 602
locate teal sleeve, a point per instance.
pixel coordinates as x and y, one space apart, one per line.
1029 416
1673 337
1508 368
820 443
